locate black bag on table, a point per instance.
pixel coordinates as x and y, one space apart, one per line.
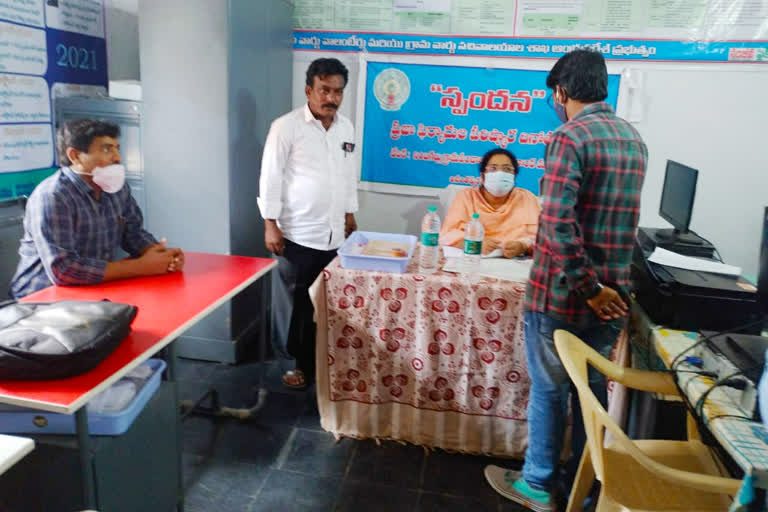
57 340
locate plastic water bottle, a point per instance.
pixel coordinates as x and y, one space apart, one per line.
473 245
430 232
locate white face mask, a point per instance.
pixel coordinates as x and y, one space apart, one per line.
499 183
110 178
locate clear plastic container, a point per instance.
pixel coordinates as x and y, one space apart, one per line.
430 233
352 257
473 246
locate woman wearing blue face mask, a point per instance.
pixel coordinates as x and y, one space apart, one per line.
509 214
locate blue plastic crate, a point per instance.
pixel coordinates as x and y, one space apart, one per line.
377 263
29 421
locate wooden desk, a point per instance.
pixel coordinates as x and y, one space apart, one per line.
745 441
12 450
168 305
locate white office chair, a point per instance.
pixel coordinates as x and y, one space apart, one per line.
446 196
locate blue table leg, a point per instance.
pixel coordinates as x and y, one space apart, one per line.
172 361
265 331
86 468
244 414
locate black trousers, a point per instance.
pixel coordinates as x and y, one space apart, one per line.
298 268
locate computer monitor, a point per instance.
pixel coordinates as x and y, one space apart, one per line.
677 203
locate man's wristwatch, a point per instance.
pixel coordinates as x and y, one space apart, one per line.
594 292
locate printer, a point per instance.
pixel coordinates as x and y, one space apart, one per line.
688 299
691 300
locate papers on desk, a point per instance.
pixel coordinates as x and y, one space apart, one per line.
497 268
455 252
673 259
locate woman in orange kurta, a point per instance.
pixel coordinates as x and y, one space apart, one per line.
509 215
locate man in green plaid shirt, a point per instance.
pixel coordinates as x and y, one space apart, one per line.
590 193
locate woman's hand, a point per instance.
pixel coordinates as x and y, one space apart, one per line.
514 248
490 244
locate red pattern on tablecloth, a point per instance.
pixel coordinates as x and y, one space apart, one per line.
434 342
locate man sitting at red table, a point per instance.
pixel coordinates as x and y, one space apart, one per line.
76 219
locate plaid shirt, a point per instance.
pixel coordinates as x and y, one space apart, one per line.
69 237
590 193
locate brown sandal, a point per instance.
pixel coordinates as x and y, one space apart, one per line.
294 379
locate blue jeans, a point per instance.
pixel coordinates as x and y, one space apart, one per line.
550 387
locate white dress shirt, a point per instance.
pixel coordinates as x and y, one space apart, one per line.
308 182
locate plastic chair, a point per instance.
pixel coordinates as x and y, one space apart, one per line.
642 475
446 195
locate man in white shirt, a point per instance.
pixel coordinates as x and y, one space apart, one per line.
308 197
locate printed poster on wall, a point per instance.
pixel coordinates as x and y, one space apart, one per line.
48 48
429 126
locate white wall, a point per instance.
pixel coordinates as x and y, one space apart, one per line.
710 117
713 120
122 22
185 127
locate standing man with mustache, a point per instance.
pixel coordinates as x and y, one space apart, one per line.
308 197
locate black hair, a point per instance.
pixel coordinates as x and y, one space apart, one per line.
79 134
498 151
326 67
582 75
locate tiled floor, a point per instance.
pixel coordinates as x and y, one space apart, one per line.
283 461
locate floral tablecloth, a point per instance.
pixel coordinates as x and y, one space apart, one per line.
429 359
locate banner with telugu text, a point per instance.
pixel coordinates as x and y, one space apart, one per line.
711 31
48 48
429 126
637 50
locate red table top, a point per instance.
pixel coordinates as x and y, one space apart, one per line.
168 305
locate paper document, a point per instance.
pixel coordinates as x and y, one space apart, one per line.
498 268
455 252
673 259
